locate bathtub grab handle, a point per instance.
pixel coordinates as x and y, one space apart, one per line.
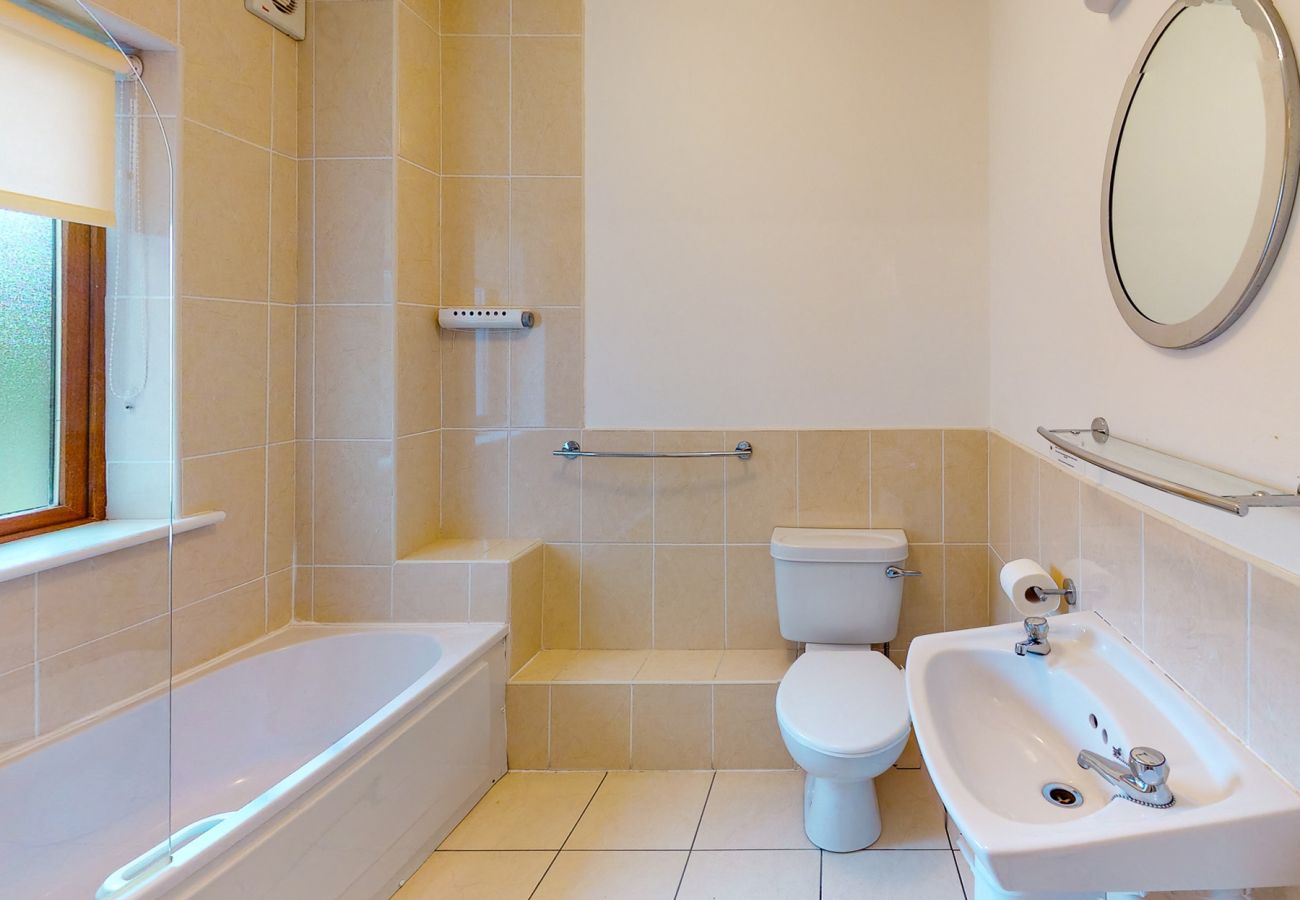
157 858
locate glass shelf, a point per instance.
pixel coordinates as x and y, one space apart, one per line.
1159 470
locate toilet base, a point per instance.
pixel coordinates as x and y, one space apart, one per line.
841 816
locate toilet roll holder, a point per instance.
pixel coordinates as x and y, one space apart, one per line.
1068 591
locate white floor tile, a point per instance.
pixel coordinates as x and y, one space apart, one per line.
890 875
613 875
754 811
910 811
526 811
478 875
752 875
643 811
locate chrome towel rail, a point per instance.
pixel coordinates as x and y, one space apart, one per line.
573 450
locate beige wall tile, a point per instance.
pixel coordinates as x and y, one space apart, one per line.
752 620
209 628
224 364
616 596
284 229
429 11
304 505
546 16
761 490
354 226
833 479
526 607
528 726
474 471
17 706
966 486
226 80
219 557
1000 609
561 579
419 461
282 340
354 372
419 118
617 494
353 503
1275 671
475 105
1110 574
907 483
1013 500
966 586
352 593
546 241
304 583
279 599
689 585
284 101
225 219
353 46
419 407
546 370
476 16
590 726
672 726
1058 521
475 238
158 16
431 592
544 489
546 113
745 733
689 505
307 91
306 231
475 379
419 197
17 624
92 676
90 599
922 597
1195 618
489 592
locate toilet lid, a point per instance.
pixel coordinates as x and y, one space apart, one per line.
844 702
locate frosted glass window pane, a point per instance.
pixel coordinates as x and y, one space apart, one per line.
28 359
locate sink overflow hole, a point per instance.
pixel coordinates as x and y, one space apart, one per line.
1092 720
1105 737
1064 795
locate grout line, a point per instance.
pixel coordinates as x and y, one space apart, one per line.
603 776
696 835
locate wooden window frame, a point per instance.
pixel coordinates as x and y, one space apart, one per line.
81 495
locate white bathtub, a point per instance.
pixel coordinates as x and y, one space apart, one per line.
323 761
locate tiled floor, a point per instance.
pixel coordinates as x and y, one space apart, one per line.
685 835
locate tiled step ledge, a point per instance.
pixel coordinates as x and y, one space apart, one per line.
472 550
647 709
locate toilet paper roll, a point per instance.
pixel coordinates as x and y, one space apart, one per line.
1017 577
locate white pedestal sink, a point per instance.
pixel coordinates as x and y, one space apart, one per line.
996 728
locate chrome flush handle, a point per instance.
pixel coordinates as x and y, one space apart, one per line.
896 572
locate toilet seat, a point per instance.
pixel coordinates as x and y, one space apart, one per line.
845 703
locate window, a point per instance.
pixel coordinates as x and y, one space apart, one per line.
51 374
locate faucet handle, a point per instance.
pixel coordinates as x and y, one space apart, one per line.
1148 765
1036 627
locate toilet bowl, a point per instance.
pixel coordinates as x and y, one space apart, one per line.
843 716
841 707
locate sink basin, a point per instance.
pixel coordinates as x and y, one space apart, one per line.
996 728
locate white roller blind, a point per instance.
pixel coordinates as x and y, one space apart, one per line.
57 123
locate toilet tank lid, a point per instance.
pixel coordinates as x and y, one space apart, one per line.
875 545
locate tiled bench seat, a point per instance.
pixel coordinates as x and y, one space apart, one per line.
647 709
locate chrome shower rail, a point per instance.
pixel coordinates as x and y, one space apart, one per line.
573 450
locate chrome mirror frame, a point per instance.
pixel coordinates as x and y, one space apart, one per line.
1277 196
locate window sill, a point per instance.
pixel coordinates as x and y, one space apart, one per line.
59 548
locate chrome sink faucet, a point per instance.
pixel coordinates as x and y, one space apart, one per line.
1036 628
1142 781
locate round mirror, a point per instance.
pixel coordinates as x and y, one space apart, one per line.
1201 171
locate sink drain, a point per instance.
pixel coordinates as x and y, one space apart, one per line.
1059 794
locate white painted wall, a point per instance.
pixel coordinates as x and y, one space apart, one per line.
1061 354
786 213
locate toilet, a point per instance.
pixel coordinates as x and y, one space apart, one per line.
841 707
